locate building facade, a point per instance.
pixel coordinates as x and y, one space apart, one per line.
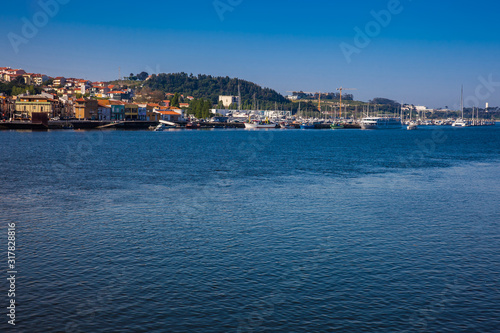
86 109
26 105
228 100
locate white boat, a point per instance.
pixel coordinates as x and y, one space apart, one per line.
381 123
159 128
460 122
162 127
412 126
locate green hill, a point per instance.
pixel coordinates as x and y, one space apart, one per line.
211 87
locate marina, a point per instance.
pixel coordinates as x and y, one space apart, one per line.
283 124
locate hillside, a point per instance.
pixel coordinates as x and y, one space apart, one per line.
210 87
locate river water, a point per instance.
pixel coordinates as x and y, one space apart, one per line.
254 231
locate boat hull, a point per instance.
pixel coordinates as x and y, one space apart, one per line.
336 126
381 123
255 126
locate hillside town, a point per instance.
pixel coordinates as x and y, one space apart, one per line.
75 98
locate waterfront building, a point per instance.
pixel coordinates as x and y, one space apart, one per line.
142 111
131 111
168 114
117 110
150 114
103 110
26 105
86 109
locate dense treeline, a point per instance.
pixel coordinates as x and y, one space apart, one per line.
211 87
200 108
386 105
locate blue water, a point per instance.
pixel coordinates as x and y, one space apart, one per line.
254 231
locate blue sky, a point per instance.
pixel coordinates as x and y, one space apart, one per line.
421 54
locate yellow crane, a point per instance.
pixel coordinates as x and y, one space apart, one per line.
342 89
313 93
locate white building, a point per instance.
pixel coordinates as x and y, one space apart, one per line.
228 100
39 79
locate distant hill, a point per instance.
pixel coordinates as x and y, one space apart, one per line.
210 87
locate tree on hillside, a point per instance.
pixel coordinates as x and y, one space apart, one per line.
384 101
142 76
207 105
175 100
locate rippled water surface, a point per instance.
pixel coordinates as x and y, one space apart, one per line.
254 231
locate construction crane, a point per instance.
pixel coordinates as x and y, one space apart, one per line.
313 93
341 89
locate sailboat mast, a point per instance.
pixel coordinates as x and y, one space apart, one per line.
462 101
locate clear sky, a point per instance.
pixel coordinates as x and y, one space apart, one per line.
417 52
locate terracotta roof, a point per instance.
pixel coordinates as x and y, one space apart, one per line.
168 113
103 102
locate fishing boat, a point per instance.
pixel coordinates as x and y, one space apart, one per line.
259 124
192 125
307 126
381 123
336 125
